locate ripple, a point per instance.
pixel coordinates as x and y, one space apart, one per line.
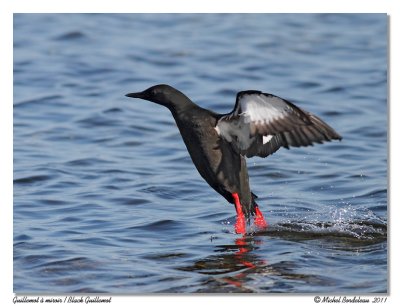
113 110
73 35
23 237
42 100
68 265
166 256
96 121
159 226
161 192
308 84
335 89
33 179
131 201
85 162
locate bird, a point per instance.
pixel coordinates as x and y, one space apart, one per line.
218 144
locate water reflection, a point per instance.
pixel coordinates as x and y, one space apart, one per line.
249 262
234 261
239 267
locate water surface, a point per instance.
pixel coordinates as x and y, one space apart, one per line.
106 198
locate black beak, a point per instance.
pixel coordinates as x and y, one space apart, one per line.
139 95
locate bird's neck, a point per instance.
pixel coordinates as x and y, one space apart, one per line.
182 106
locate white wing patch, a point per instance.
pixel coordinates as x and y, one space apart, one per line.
259 108
254 109
266 139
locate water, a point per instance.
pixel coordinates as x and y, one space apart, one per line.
106 198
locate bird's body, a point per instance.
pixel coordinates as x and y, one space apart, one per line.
218 143
215 158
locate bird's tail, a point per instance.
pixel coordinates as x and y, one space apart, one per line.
249 207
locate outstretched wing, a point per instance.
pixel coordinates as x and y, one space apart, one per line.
261 123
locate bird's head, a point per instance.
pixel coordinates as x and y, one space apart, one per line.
161 94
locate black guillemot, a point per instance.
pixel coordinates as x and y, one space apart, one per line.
259 125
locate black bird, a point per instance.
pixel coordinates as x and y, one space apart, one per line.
259 124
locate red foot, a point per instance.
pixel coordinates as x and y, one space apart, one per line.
259 220
240 226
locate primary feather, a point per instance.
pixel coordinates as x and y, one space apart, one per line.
261 123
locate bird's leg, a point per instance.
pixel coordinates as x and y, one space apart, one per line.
240 226
259 220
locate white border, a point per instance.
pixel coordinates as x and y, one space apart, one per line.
209 6
8 7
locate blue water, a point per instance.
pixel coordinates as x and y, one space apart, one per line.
106 198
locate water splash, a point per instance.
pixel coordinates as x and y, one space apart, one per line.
347 222
340 222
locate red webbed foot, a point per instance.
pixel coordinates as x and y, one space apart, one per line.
240 225
259 220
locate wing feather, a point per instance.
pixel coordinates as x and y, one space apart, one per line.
280 122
